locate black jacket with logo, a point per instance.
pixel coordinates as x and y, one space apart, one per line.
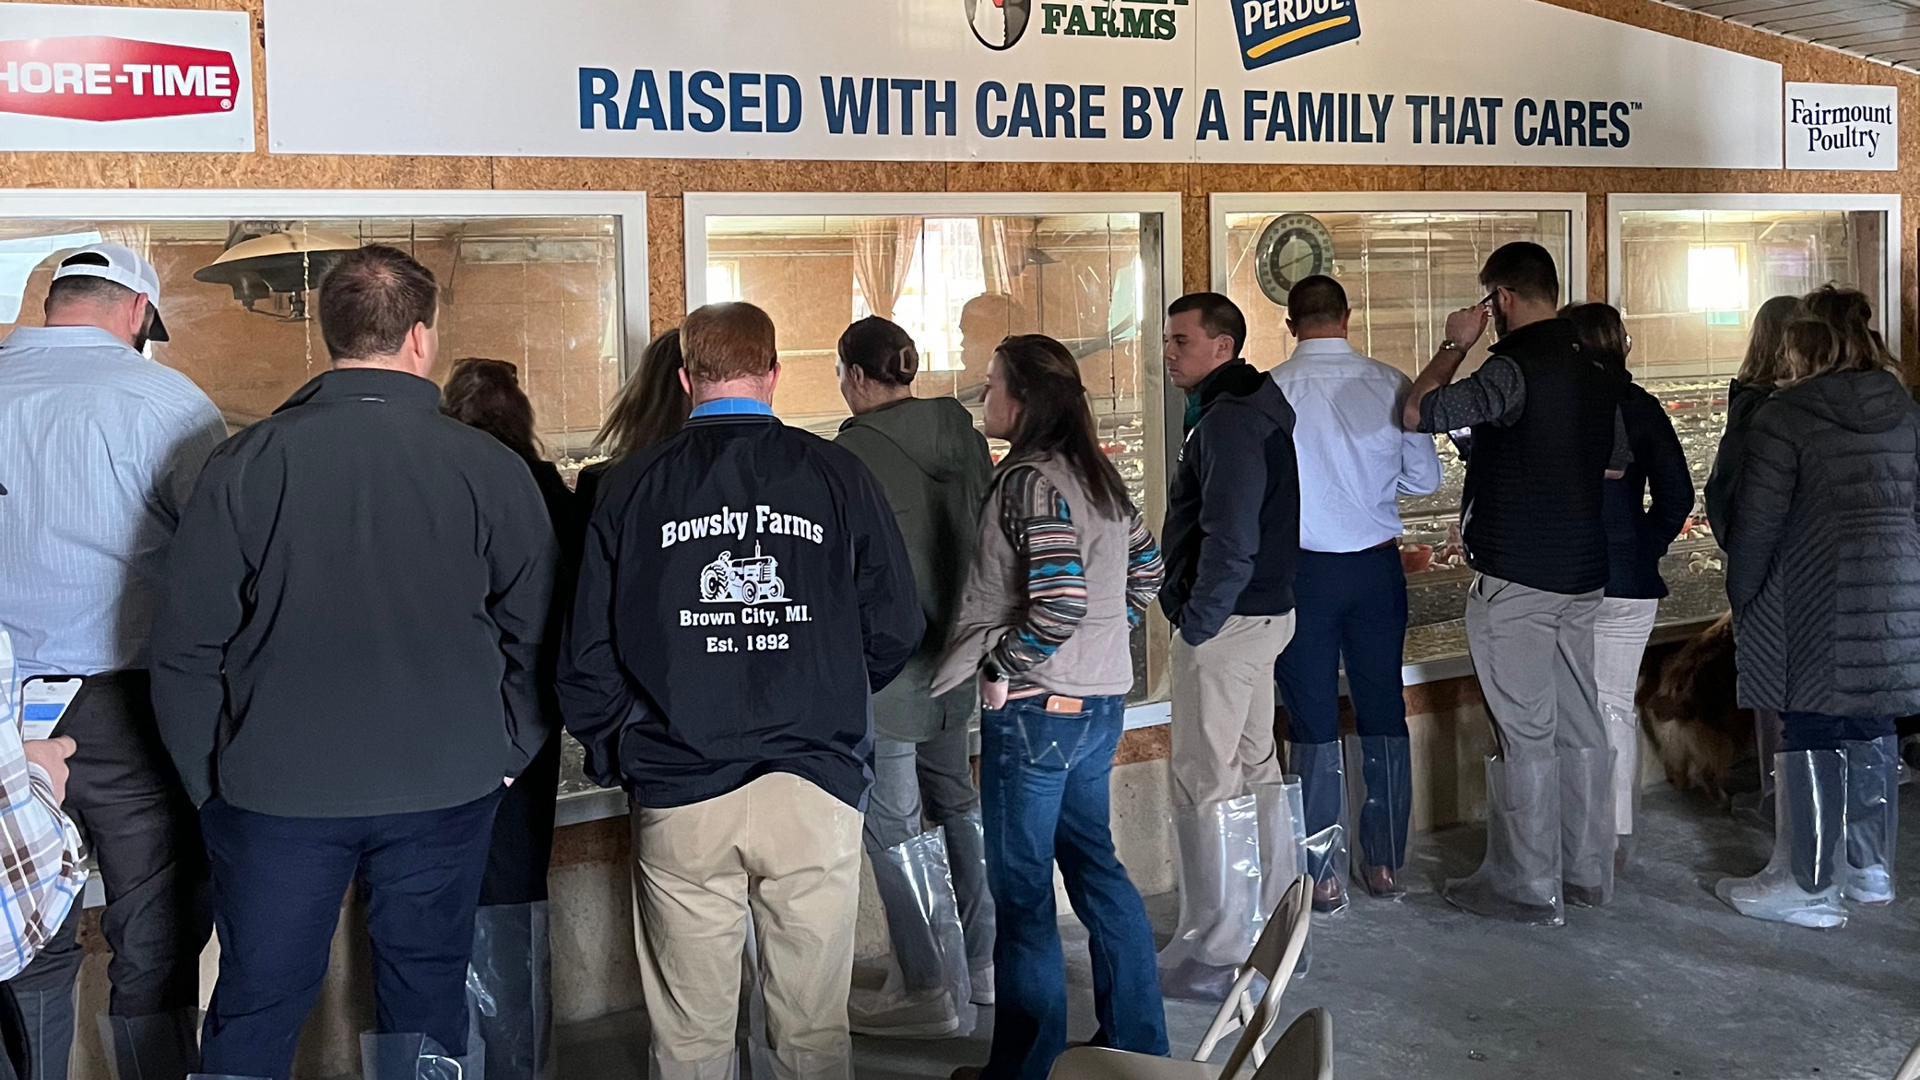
744 588
1232 534
354 609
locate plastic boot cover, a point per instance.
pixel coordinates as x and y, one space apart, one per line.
1283 850
931 998
1587 825
1873 818
967 856
509 990
1217 849
1623 734
1801 885
1382 787
163 1046
414 1056
1758 808
1520 878
1323 787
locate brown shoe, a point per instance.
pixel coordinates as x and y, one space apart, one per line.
1381 884
1328 895
967 1072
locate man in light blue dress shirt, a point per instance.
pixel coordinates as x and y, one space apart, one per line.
99 449
1350 592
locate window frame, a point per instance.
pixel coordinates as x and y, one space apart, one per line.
155 204
1618 206
1165 205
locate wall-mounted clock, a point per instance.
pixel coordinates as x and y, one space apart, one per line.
1291 248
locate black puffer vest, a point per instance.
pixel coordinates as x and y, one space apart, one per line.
1533 495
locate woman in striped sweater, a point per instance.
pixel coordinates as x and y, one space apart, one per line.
1064 568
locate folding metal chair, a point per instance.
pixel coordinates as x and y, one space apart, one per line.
1911 1069
1274 958
1304 1052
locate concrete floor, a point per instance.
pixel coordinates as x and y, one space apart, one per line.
1665 982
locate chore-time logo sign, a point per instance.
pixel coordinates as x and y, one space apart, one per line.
1274 30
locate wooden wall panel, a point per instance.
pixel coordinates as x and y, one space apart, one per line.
666 180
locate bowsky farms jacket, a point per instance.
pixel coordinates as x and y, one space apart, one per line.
744 588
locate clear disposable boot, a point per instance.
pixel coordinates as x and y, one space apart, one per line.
1382 787
1801 885
162 1046
967 856
509 990
1873 819
1283 849
1520 878
414 1056
1217 852
1323 787
1623 734
1587 824
1758 808
927 993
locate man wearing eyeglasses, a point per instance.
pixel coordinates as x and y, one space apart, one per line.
1544 432
99 451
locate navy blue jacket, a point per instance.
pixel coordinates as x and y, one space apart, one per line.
1640 530
743 589
1232 533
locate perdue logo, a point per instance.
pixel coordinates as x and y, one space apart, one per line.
105 79
1273 30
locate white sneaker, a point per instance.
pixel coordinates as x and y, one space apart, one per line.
928 1015
1872 885
1781 903
981 981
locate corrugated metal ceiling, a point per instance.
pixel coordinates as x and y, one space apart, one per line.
1886 31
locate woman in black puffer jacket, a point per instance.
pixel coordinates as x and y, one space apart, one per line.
1824 578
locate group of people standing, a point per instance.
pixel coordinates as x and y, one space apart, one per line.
337 649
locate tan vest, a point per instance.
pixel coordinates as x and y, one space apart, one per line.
1095 661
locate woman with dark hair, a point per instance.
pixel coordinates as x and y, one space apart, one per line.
1759 373
934 468
651 406
509 963
1065 567
1645 507
1823 572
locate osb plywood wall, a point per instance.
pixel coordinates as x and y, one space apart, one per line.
666 181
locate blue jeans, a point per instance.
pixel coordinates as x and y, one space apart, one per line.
277 886
1044 797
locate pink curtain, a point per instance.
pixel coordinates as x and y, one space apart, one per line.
883 251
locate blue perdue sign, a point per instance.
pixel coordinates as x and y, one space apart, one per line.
1274 30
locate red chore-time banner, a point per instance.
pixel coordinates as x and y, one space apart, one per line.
104 79
74 77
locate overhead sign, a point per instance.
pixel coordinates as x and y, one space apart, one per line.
95 78
1255 81
1842 126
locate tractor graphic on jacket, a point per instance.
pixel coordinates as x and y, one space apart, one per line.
746 581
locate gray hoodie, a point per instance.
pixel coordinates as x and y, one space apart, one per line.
935 471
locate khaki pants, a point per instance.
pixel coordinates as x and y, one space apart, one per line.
1223 740
788 851
1533 654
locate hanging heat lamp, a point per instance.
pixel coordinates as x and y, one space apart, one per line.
282 262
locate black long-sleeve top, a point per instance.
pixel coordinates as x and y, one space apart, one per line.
1647 507
354 608
744 587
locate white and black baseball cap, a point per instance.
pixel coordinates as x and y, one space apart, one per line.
120 265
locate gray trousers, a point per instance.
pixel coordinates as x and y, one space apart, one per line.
933 781
1533 653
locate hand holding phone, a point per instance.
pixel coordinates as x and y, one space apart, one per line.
51 755
44 703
